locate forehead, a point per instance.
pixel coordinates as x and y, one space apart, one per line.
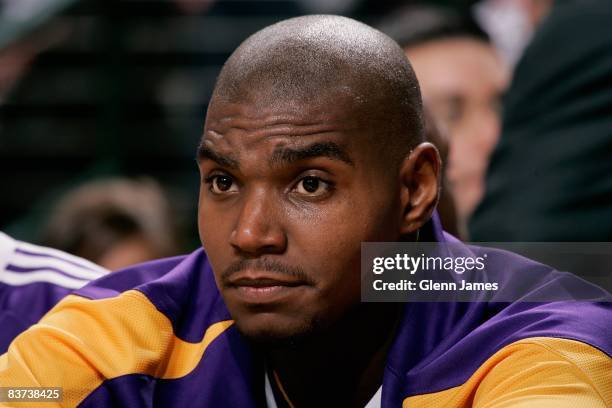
244 124
458 65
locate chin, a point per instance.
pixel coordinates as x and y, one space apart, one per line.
270 331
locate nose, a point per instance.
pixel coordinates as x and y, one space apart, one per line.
258 229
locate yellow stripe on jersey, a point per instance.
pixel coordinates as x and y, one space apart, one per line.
534 372
88 341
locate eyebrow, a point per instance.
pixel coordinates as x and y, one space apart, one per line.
206 153
286 155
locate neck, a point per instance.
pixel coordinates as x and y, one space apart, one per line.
345 363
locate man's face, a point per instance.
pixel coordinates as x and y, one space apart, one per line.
288 194
462 80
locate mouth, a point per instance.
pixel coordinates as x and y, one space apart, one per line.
263 288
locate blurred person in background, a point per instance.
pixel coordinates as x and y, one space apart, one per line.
551 174
114 222
462 80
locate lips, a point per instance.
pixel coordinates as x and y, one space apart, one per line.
263 281
254 287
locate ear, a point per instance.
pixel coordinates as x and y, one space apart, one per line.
420 186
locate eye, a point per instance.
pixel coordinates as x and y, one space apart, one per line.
221 184
312 186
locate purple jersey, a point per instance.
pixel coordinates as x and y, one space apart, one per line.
32 280
133 339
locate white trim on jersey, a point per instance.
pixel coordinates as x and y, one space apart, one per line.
270 401
376 400
50 276
56 253
35 262
44 265
7 247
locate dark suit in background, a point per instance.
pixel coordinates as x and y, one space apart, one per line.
550 178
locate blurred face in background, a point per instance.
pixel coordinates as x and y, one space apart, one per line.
462 80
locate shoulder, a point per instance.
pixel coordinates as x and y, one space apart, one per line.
181 288
458 345
32 280
155 321
547 351
544 370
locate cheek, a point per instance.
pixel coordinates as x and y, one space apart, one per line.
203 219
330 242
214 234
337 269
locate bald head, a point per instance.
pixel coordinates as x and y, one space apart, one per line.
310 59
